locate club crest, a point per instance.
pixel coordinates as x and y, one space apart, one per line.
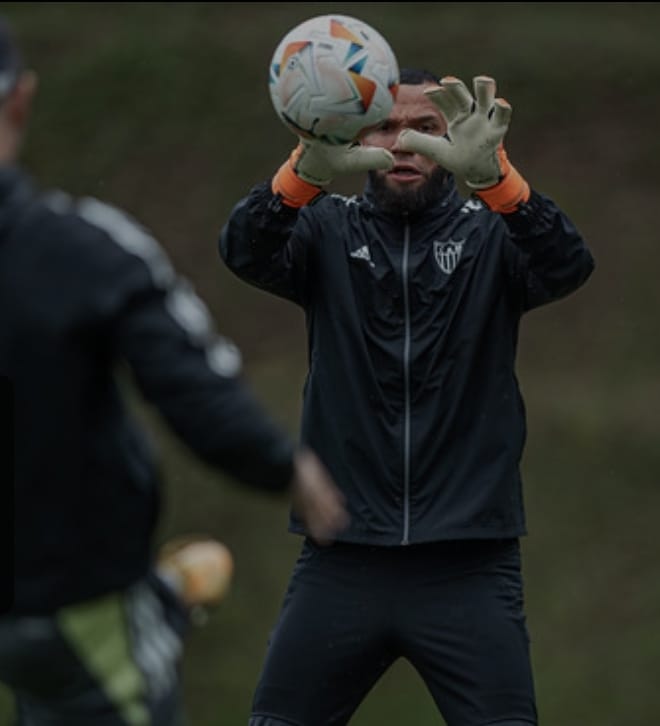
447 254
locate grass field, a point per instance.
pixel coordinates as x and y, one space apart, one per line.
163 109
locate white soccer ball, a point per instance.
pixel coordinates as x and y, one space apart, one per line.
331 77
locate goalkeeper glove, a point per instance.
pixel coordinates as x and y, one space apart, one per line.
473 148
312 165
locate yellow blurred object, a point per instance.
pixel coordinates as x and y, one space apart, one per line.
199 569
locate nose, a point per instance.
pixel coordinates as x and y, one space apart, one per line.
395 148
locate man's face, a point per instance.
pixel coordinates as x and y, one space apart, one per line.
415 179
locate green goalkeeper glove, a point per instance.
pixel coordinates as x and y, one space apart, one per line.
473 149
313 165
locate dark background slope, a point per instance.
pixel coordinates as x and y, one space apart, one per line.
163 109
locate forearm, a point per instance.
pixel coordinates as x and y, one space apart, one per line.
249 446
258 227
556 260
233 433
255 243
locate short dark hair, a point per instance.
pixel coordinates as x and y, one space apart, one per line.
417 76
11 60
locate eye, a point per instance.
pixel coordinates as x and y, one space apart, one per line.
428 127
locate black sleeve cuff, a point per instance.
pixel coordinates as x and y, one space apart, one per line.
532 218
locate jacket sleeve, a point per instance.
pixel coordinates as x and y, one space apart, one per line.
193 377
154 321
546 253
263 243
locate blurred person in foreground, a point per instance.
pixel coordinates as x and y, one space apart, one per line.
413 298
94 634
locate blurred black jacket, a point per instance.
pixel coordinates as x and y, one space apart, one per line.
85 291
411 398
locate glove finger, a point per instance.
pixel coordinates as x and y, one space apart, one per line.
484 92
501 113
436 148
445 103
363 158
460 95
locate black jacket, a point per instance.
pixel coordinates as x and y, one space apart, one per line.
85 291
411 398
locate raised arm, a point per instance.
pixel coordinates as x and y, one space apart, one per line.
545 254
267 237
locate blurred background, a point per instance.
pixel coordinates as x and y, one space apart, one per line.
163 109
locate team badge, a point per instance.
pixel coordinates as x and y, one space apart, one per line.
447 254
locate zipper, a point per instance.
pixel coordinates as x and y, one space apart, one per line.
406 387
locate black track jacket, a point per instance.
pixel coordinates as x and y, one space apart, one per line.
411 398
84 290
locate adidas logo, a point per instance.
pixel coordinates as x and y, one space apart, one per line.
362 253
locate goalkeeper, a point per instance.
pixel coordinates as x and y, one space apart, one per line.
413 298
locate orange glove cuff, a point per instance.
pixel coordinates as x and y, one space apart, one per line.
295 191
505 196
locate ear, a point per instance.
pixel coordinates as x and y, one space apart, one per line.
19 101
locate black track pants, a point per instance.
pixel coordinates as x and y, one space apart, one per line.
453 609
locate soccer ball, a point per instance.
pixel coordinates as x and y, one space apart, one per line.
331 77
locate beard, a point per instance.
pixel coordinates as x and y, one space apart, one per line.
408 201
